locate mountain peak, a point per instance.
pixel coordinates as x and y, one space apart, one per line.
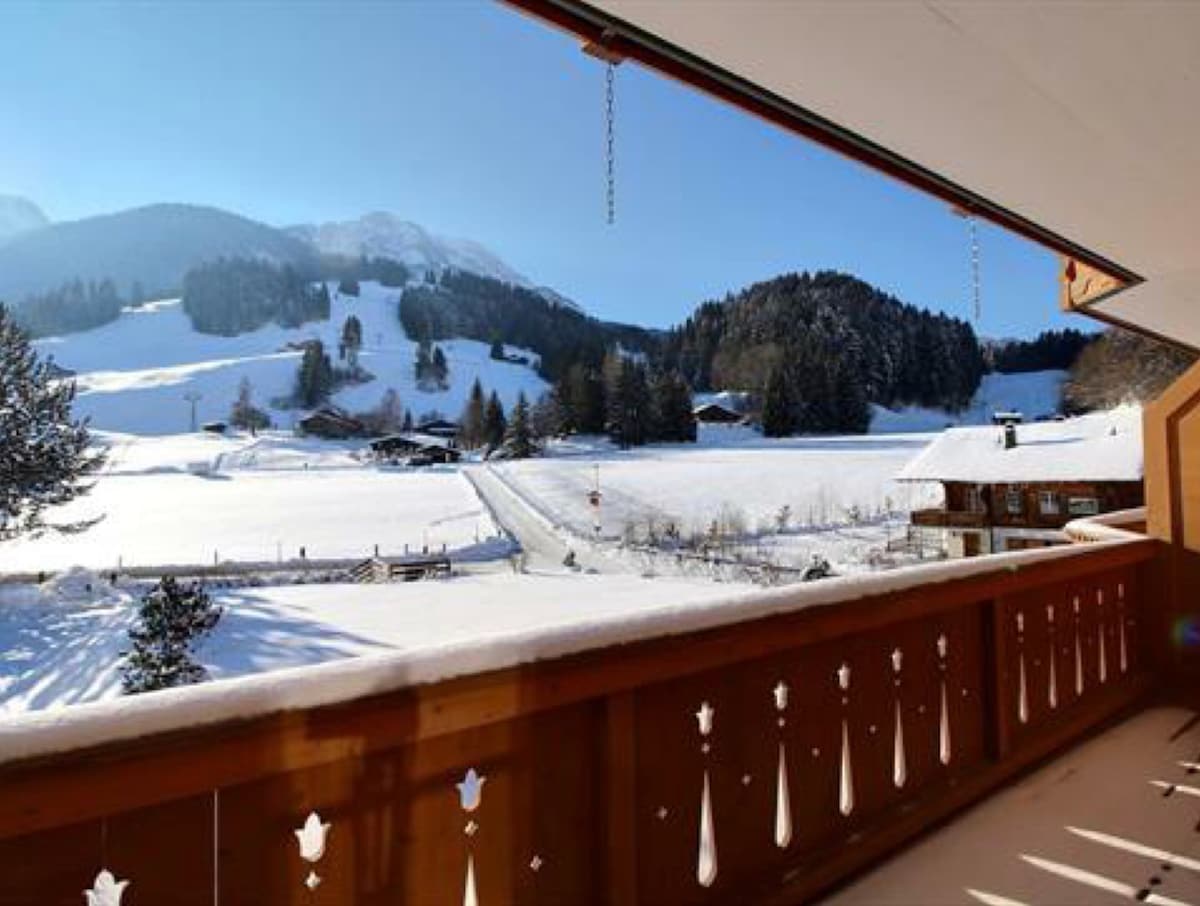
19 215
381 234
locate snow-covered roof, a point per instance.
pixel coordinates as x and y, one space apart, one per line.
1103 446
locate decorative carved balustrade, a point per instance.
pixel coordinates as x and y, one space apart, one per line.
757 761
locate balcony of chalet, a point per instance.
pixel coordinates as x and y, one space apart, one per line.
1015 728
939 517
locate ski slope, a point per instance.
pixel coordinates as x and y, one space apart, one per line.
1033 393
132 374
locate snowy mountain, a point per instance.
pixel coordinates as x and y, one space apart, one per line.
383 235
154 245
132 373
19 215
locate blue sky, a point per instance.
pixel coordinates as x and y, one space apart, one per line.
473 121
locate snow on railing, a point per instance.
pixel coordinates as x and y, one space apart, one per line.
1106 527
45 732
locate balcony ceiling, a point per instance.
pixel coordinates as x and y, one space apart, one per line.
1083 117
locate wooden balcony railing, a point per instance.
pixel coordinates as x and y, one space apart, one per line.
941 518
759 760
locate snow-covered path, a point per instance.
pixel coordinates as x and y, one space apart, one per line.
544 548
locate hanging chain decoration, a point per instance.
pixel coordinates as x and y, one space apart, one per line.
609 123
973 240
604 50
973 228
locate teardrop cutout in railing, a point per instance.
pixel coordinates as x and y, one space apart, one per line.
1123 652
1078 654
470 897
899 762
944 730
706 862
1022 689
1022 692
944 751
846 775
1052 685
783 803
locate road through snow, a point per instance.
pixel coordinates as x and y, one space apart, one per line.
544 548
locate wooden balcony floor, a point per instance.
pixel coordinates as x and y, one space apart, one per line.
1116 819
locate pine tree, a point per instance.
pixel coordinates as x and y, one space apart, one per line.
472 430
348 287
408 421
672 419
314 380
494 422
45 455
546 417
497 351
351 341
389 414
423 368
628 398
171 620
244 415
778 414
518 437
440 369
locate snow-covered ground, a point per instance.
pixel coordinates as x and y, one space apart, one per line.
134 372
252 499
64 647
842 499
1034 394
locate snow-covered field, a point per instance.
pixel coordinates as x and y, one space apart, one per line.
252 500
1033 393
134 372
841 497
64 647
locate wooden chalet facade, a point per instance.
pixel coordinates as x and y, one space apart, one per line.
1002 494
415 448
331 423
989 518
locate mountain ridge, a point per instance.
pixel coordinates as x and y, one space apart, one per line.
19 215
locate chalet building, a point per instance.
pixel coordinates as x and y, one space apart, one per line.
1017 486
716 414
331 423
417 449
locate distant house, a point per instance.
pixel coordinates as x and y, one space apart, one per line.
331 423
1016 486
716 414
415 449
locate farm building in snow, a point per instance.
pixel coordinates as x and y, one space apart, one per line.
1016 486
716 414
417 449
332 423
